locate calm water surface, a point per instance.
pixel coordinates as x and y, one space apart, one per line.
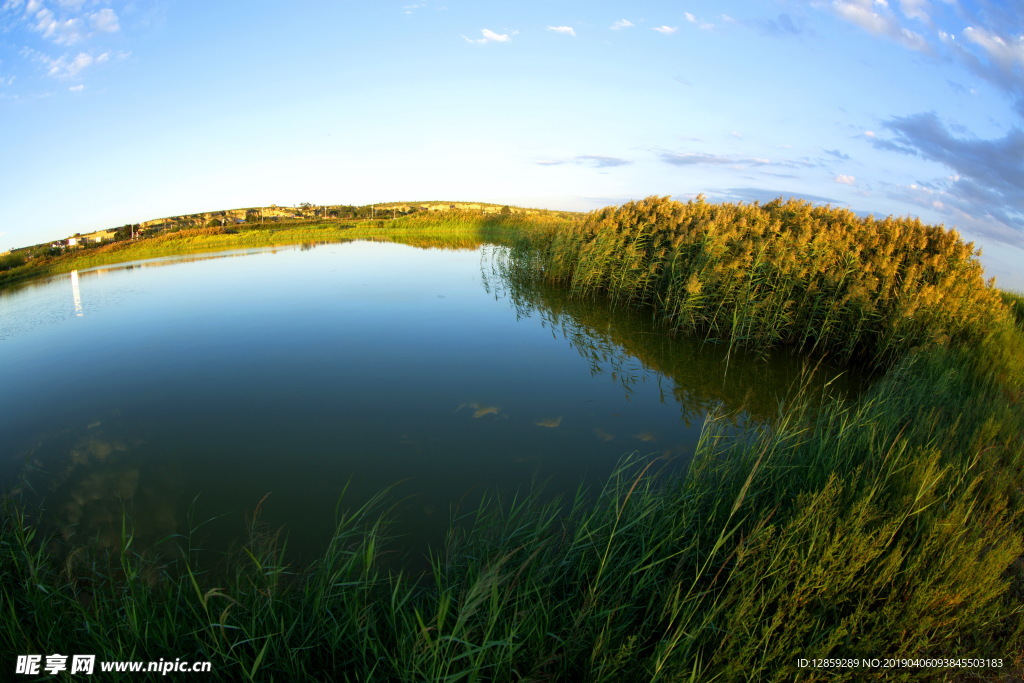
185 389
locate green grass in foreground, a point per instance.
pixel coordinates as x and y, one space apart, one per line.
886 528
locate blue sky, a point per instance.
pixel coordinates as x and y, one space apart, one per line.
114 112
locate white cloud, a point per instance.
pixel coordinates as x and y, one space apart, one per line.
699 158
105 20
665 30
879 23
861 12
62 32
489 36
77 88
869 133
567 30
704 26
65 22
915 9
846 179
622 23
1005 53
64 67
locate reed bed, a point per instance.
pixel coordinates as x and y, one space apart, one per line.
785 272
1015 301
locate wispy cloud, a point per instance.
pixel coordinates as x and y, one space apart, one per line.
666 30
567 30
490 36
915 9
782 25
66 26
601 161
1006 54
736 162
73 29
845 180
705 26
987 184
877 18
837 154
621 24
69 66
105 21
986 38
592 160
699 158
59 31
758 194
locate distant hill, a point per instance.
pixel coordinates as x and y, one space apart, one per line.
275 213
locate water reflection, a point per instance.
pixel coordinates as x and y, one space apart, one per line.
630 348
76 293
102 484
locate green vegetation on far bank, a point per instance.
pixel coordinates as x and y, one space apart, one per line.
887 527
463 229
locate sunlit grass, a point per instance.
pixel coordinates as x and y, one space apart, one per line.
820 278
451 229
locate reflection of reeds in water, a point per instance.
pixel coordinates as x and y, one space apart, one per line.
550 422
631 348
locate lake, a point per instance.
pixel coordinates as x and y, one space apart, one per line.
188 392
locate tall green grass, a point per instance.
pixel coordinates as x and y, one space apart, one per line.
819 278
1015 301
